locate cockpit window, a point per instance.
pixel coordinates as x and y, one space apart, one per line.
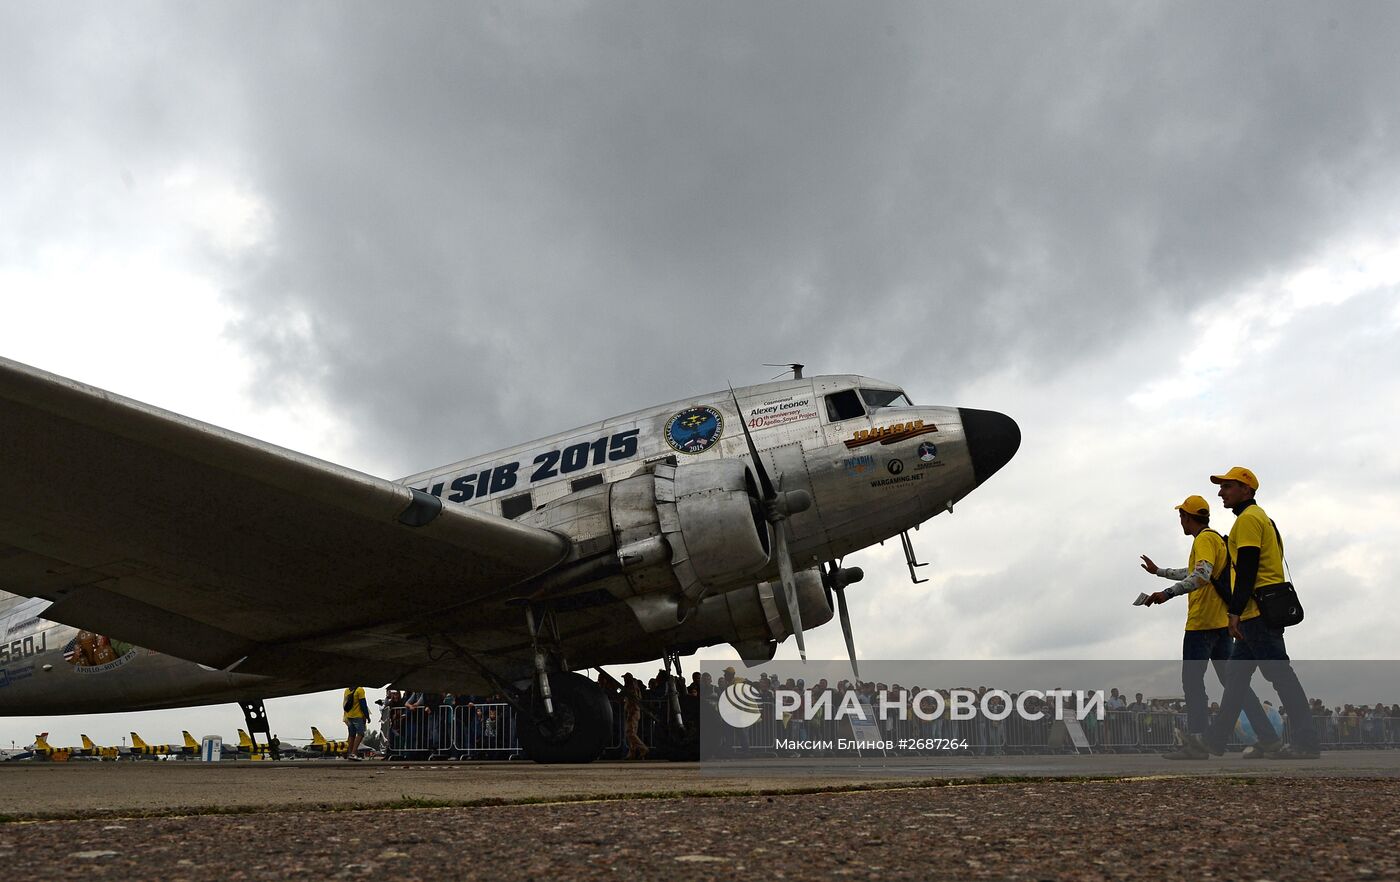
843 405
884 398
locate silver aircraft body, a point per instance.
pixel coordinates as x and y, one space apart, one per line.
719 518
46 669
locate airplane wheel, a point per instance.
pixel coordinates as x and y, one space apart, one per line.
578 730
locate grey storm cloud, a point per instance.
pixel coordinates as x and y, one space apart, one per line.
488 222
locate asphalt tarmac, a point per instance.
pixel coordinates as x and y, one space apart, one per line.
1226 819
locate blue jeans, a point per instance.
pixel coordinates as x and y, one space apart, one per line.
1263 648
1215 646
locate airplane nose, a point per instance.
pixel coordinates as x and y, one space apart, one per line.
992 439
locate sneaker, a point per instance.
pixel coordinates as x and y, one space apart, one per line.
1294 752
1264 750
1188 751
1198 743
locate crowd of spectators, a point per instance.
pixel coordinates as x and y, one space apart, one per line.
466 725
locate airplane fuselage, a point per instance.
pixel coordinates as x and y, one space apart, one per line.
873 464
868 482
45 670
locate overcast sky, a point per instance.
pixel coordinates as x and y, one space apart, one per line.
1164 237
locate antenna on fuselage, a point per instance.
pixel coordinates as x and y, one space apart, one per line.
794 367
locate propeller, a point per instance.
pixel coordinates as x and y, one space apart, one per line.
836 578
777 506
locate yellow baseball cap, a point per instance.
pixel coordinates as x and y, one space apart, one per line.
1238 473
1195 505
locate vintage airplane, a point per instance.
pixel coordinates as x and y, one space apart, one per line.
720 518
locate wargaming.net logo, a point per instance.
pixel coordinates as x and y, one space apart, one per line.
740 705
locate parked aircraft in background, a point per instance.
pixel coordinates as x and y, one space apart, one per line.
138 747
42 749
319 745
96 750
245 746
720 518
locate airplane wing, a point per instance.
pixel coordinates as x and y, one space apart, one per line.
215 547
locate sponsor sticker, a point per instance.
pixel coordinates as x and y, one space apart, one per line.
898 479
928 456
857 466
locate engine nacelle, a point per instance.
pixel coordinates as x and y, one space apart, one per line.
756 614
710 517
661 540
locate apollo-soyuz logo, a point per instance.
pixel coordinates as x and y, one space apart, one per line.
740 705
695 429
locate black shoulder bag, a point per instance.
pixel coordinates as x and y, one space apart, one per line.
1278 604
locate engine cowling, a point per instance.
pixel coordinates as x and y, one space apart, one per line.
709 515
755 616
663 540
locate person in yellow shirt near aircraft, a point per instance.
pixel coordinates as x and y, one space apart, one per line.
356 718
1205 582
1256 556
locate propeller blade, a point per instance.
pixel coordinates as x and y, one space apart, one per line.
764 482
826 584
789 587
846 630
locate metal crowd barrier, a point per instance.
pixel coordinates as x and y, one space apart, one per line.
419 733
484 731
1121 732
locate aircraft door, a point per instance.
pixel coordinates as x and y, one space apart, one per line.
843 471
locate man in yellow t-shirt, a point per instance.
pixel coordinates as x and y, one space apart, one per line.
356 718
1256 555
1207 637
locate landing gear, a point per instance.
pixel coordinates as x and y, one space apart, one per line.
568 717
579 727
255 716
678 736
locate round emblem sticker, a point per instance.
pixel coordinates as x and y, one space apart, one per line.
928 452
695 429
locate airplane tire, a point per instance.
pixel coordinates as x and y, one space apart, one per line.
682 745
581 725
